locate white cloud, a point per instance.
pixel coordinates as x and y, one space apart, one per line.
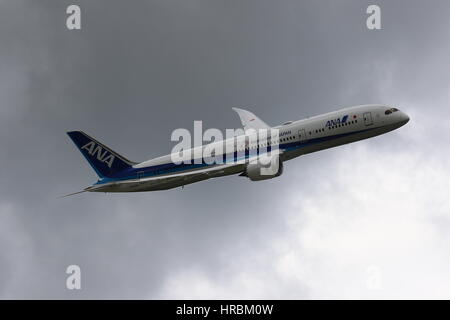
16 254
374 213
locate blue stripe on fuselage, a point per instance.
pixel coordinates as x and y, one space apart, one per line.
170 167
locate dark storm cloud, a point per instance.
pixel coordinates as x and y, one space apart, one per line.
137 71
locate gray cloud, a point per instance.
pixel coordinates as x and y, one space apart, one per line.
136 72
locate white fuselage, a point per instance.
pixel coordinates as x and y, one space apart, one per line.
295 138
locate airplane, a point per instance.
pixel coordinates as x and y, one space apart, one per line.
295 138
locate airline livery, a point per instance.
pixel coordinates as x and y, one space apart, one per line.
238 155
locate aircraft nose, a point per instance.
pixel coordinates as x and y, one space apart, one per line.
404 118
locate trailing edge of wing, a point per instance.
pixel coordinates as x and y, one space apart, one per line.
249 120
185 178
209 172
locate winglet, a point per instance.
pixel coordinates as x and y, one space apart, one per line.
249 120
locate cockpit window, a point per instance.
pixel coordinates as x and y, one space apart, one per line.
389 111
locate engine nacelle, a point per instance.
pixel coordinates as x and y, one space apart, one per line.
264 168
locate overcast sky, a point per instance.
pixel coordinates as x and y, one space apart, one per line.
334 222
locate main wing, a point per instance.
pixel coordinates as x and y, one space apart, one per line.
169 181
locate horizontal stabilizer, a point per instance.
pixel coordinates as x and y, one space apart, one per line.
72 194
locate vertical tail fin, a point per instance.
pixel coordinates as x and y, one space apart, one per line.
102 159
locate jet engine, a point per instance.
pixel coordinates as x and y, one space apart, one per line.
263 168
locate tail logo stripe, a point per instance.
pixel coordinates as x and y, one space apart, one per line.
93 149
105 161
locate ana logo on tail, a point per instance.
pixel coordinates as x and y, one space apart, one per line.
93 149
